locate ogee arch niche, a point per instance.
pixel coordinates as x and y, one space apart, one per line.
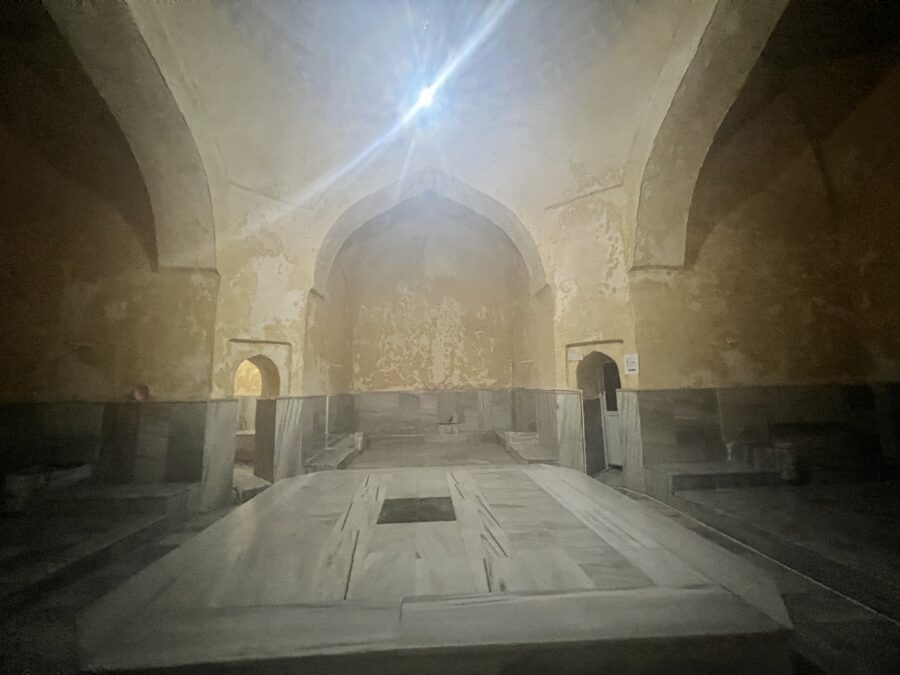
428 295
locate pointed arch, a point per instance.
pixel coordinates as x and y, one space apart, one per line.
178 170
713 52
447 186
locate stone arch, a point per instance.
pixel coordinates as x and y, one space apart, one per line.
270 379
713 52
587 376
111 46
598 378
442 184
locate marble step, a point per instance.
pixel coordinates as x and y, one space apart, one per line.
527 448
41 553
337 455
246 486
809 462
794 538
634 631
172 500
666 479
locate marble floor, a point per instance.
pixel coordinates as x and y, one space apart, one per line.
383 453
846 535
527 567
833 633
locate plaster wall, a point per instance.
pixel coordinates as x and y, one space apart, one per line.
874 226
432 296
87 313
791 270
86 317
282 102
548 118
760 301
860 160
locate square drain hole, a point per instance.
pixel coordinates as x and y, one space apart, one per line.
416 510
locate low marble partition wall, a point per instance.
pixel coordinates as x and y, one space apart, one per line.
59 433
219 430
128 442
391 413
559 423
152 442
694 425
341 414
762 413
171 442
299 433
887 416
290 431
264 441
523 403
668 426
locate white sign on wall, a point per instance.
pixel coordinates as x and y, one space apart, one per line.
631 364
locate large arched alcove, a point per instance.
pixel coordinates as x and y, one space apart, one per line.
713 51
437 182
427 295
181 171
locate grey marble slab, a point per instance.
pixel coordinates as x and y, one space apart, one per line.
570 430
312 421
632 448
524 412
545 416
118 438
288 438
378 412
501 410
264 456
187 430
342 414
218 454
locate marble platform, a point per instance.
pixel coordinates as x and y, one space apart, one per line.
540 569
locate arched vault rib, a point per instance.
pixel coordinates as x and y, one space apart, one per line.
110 46
714 51
444 185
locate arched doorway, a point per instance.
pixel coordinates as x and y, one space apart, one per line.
598 378
255 378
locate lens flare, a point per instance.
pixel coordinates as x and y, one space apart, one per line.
426 97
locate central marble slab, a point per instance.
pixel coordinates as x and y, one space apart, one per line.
352 569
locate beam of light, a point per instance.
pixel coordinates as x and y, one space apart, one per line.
490 20
492 17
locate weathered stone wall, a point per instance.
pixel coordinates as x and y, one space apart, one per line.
759 300
542 121
432 299
550 126
86 315
860 157
791 268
